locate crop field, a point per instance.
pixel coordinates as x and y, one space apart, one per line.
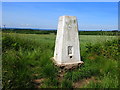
26 62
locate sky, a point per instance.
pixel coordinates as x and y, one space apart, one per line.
45 15
60 0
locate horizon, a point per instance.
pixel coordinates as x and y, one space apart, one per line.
54 29
90 15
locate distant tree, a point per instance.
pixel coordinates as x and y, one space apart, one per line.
114 30
4 27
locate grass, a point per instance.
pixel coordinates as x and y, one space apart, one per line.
99 64
27 57
22 58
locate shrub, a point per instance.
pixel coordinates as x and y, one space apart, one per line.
108 49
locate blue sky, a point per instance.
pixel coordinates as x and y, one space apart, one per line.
60 0
44 15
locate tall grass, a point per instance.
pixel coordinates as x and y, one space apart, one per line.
27 57
22 58
101 61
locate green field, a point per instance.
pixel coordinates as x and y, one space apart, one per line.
26 59
50 38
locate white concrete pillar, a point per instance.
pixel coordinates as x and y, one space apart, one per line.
67 50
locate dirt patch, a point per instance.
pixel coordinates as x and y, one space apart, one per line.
92 57
83 82
38 82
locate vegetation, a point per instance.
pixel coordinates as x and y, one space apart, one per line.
101 62
26 57
111 33
29 31
32 31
